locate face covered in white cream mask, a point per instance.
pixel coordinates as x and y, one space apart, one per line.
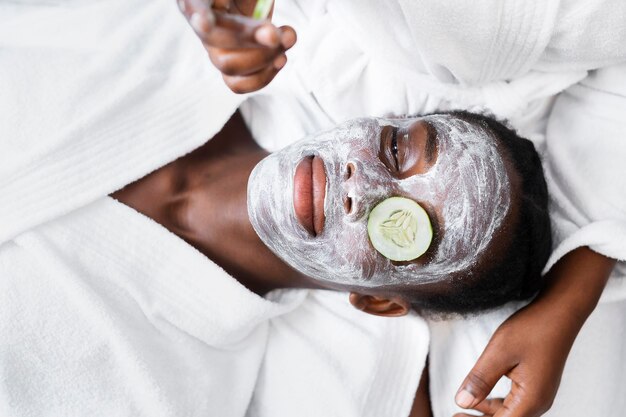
451 167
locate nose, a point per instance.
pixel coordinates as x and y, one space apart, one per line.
363 185
349 170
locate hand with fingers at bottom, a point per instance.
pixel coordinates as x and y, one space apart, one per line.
531 346
248 52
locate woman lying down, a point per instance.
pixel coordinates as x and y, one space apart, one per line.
445 213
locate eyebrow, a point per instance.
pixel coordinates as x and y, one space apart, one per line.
431 142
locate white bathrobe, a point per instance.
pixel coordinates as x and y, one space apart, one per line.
103 311
368 57
94 321
94 95
106 313
510 58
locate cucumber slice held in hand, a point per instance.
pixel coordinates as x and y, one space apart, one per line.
262 9
400 229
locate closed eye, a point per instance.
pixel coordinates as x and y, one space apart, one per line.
394 147
431 143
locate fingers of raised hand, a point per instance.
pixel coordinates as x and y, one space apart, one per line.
249 69
245 61
236 32
252 82
287 37
217 28
230 31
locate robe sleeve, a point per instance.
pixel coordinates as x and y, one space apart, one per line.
586 165
94 95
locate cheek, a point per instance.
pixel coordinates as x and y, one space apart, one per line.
367 158
354 248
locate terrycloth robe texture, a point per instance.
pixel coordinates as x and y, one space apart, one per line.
103 311
94 96
410 57
326 359
106 313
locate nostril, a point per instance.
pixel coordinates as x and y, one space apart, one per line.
349 170
347 204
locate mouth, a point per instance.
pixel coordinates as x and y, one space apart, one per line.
309 193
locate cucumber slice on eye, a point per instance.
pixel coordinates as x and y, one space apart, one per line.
400 229
262 9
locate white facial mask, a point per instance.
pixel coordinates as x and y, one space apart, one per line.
468 183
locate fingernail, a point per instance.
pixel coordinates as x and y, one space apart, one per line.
280 62
288 40
464 399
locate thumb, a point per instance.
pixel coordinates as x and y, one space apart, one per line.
492 365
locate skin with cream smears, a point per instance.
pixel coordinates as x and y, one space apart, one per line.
466 189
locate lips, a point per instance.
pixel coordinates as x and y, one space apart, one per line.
309 192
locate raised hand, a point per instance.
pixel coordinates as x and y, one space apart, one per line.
248 52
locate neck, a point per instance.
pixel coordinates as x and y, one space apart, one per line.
202 198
